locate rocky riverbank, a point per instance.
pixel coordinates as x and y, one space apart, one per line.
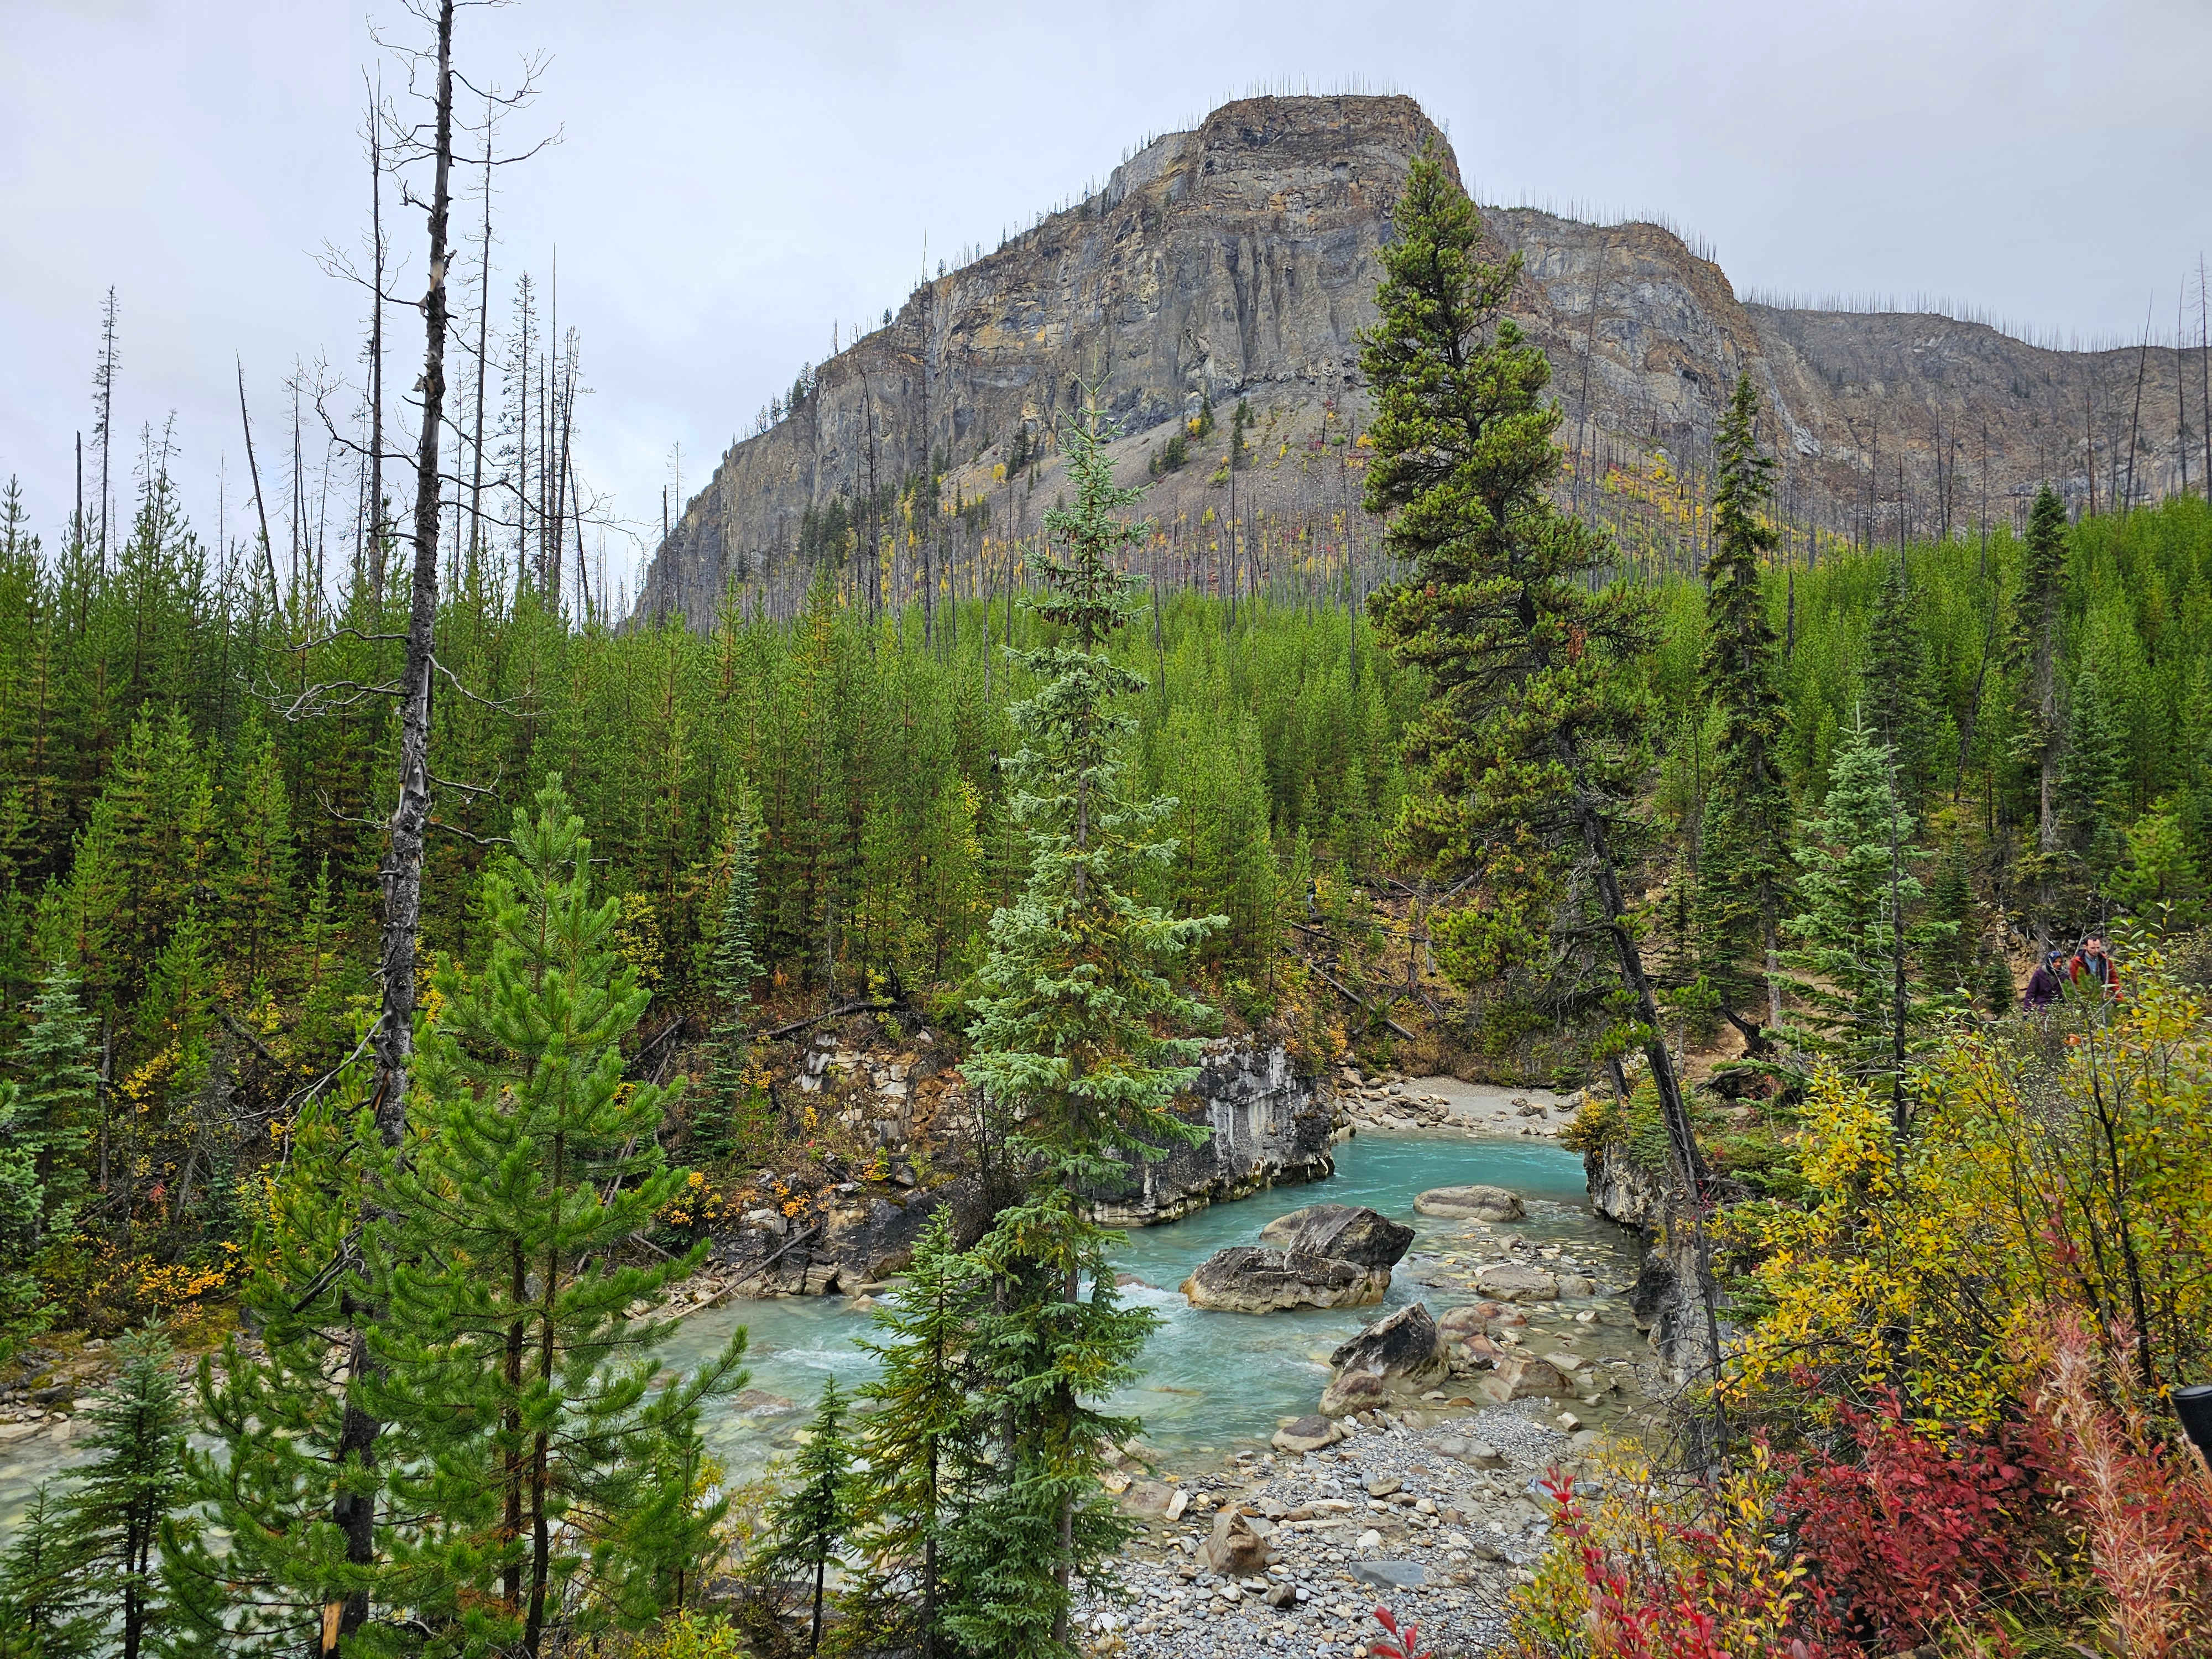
1394 1101
1276 1553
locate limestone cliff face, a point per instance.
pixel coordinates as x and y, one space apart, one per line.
1267 1126
1665 1297
1238 261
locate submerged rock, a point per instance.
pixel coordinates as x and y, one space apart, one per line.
1472 1204
1389 1575
1523 1377
1509 1281
1401 1354
1347 1232
1255 1278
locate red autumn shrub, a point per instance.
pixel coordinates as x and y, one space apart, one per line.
1399 1643
1687 1591
1911 1533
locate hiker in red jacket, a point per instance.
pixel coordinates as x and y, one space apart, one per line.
2093 970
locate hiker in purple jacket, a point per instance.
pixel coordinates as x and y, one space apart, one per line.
2048 982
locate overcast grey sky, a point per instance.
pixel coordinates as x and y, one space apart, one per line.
734 177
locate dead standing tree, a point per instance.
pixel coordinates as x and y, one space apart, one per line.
406 148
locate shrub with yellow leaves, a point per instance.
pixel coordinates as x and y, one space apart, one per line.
2045 1167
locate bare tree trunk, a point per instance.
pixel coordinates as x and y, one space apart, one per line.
376 347
391 1040
567 396
583 576
103 383
2180 395
252 469
522 442
2089 442
483 363
549 422
873 575
1689 1162
2134 417
2204 373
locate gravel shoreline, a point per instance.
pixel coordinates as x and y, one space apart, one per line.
1438 1523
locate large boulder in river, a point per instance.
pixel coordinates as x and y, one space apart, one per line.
1401 1354
1253 1279
1347 1232
1471 1204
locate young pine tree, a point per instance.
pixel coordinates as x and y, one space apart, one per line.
2091 773
735 964
1071 1049
22 1205
60 1105
1745 854
263 1488
115 1504
1527 756
253 877
509 1356
45 1591
922 1432
1899 695
808 1520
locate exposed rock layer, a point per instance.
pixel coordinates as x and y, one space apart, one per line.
1269 1126
1471 1204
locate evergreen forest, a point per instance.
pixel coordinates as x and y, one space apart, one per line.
403 976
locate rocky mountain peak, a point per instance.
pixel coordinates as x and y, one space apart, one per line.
1236 263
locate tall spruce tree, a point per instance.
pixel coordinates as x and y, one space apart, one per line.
1529 756
509 1354
1744 854
22 1205
61 1096
1859 946
1071 1049
1900 698
720 1122
2091 805
2033 646
46 1592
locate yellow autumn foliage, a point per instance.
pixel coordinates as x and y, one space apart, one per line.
2066 1163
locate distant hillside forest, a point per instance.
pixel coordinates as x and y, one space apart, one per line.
195 778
